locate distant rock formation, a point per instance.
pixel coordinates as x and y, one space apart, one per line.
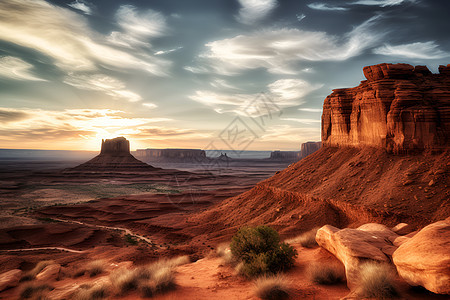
399 107
309 148
114 156
285 155
171 155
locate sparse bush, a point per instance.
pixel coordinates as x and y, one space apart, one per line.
125 280
261 252
325 273
306 239
223 251
34 290
86 292
93 268
377 280
273 287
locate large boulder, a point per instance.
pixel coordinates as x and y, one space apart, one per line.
354 246
10 279
424 259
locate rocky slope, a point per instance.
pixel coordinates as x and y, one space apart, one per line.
399 107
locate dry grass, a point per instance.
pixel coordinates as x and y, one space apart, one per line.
326 273
306 239
34 291
31 275
377 280
86 292
93 268
157 277
272 287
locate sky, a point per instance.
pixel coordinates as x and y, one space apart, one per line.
209 74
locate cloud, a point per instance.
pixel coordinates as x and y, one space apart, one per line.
11 115
420 50
282 93
303 121
150 105
40 125
300 17
382 3
255 10
66 37
292 89
310 109
161 52
15 68
148 23
278 50
102 83
84 6
322 6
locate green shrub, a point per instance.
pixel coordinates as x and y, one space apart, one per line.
260 250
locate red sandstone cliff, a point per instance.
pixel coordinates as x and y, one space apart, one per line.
399 107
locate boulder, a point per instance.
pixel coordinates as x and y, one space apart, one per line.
50 272
398 108
354 246
402 229
424 259
10 279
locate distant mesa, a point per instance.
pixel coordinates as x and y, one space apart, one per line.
114 156
171 155
285 155
399 107
309 148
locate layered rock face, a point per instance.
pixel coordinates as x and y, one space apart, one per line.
399 107
285 155
309 148
114 156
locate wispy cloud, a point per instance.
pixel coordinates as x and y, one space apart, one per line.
15 68
66 37
323 6
102 83
73 125
303 121
310 109
420 50
148 23
300 17
255 10
382 3
161 52
279 50
83 6
283 93
150 105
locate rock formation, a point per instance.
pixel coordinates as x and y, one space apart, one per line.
309 148
285 155
355 246
114 156
399 107
424 259
171 155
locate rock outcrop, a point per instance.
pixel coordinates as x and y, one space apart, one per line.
285 155
114 156
309 148
399 107
424 259
171 155
355 246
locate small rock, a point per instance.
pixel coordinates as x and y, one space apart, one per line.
431 183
